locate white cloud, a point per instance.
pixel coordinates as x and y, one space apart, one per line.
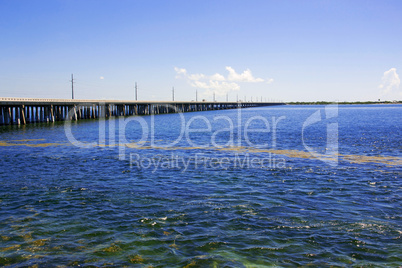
390 82
218 77
180 72
101 78
246 76
196 77
199 84
270 81
218 87
217 83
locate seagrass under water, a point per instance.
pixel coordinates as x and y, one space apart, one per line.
120 195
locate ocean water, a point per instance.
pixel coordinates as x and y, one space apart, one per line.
280 186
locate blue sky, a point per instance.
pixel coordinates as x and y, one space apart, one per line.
278 50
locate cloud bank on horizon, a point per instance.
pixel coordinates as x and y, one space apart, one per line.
217 83
390 84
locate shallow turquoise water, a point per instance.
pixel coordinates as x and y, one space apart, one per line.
205 191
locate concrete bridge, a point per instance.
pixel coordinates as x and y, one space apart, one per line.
21 111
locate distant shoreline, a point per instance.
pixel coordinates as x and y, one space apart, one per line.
342 102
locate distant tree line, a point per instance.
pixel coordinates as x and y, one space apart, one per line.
342 102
